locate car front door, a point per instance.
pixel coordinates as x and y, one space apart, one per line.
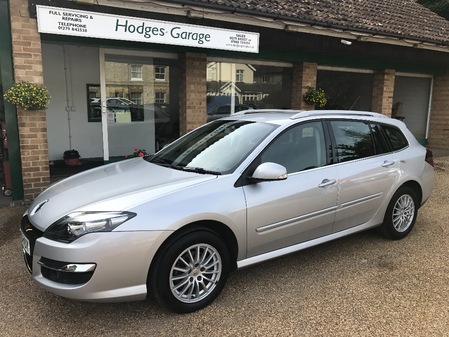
300 208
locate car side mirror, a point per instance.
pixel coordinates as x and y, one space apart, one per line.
269 172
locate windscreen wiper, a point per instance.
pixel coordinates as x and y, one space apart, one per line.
200 170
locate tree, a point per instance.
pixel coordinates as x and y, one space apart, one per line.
441 7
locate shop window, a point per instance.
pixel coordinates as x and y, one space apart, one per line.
232 87
347 90
93 103
136 72
116 102
159 73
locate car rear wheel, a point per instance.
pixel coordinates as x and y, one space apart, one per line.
190 272
401 214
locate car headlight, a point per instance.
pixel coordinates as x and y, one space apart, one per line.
77 224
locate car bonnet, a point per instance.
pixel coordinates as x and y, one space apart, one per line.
113 187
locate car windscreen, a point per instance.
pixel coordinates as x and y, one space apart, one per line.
217 147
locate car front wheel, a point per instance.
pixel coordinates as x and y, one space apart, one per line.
401 214
190 272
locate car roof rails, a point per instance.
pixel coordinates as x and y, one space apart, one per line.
266 111
296 114
326 113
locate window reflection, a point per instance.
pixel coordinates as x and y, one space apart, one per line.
233 87
353 140
143 94
346 90
300 148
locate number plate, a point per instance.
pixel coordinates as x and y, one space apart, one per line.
26 245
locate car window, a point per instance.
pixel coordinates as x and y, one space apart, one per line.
395 137
219 146
299 148
353 140
381 146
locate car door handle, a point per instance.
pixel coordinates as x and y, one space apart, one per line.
387 163
327 182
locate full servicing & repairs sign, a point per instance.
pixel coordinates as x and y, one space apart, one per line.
63 21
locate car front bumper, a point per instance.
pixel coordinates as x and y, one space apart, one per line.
103 267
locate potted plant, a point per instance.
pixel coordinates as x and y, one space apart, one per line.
28 96
72 158
137 153
315 97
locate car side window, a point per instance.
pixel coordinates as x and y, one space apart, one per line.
353 140
395 137
299 148
380 142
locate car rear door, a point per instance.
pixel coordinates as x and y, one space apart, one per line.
366 172
300 208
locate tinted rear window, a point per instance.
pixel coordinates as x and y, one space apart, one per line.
395 137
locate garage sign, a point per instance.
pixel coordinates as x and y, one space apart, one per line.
63 21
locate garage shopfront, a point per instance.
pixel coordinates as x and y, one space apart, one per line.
130 75
118 99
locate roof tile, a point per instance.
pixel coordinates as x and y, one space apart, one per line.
405 18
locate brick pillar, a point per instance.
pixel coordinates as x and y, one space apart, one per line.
383 90
303 77
439 115
34 152
192 109
27 58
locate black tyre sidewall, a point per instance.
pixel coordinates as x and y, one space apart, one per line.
387 228
160 277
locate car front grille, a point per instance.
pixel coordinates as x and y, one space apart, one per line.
32 234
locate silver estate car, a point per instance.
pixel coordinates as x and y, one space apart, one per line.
236 191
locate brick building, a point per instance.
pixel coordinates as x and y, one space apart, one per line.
384 56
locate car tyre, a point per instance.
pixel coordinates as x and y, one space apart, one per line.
190 271
401 214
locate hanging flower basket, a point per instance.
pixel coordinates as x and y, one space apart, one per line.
28 96
315 97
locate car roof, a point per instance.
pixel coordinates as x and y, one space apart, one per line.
282 116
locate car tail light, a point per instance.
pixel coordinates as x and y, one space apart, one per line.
429 158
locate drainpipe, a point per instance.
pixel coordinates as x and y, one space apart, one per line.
68 108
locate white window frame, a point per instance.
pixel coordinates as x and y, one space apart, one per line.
239 75
133 97
159 99
133 72
157 72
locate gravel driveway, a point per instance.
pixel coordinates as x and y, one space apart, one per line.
363 285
